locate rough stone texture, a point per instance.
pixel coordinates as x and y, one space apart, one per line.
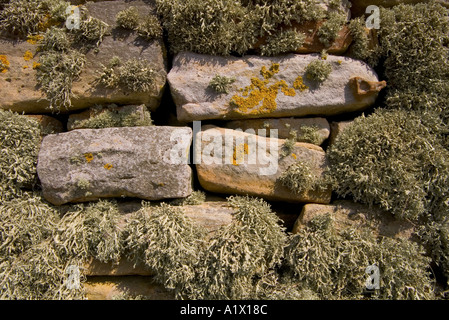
359 6
141 162
18 87
256 178
122 288
49 124
348 214
195 100
75 120
284 125
337 128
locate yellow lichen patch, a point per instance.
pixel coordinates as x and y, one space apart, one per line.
108 166
259 92
299 84
339 62
89 157
34 39
28 55
294 156
239 153
25 67
4 64
36 65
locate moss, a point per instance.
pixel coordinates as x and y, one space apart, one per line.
128 18
56 74
371 160
328 31
284 41
221 84
332 262
318 70
20 139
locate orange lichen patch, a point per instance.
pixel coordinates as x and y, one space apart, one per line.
259 92
4 64
25 67
34 39
299 84
339 62
89 157
108 166
294 156
28 55
239 153
36 65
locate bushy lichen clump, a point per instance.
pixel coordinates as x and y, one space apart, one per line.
299 177
221 84
111 116
227 27
25 17
148 27
135 75
55 75
19 142
283 41
361 42
318 70
332 262
328 31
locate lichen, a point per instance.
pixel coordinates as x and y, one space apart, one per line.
259 92
128 18
284 41
221 84
300 177
4 63
328 31
318 70
28 55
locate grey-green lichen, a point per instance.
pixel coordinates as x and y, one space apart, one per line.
135 75
112 116
221 84
328 31
299 177
283 41
332 262
20 139
148 27
318 70
55 75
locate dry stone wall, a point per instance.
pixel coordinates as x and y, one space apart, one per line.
269 115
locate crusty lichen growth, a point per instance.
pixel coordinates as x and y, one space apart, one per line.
221 84
332 262
4 63
283 41
55 75
318 70
260 97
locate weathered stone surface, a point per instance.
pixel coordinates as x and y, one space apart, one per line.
122 288
18 87
77 120
234 162
284 125
49 124
348 214
141 162
337 128
273 93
